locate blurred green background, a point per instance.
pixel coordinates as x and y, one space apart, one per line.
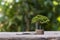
16 15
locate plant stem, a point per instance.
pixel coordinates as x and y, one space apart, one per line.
37 25
40 26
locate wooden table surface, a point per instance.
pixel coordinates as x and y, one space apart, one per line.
47 34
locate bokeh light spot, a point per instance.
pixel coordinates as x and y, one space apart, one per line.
58 19
55 3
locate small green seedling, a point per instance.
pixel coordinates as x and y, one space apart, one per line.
40 19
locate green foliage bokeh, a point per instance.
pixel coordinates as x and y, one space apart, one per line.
18 14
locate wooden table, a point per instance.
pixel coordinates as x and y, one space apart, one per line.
48 35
